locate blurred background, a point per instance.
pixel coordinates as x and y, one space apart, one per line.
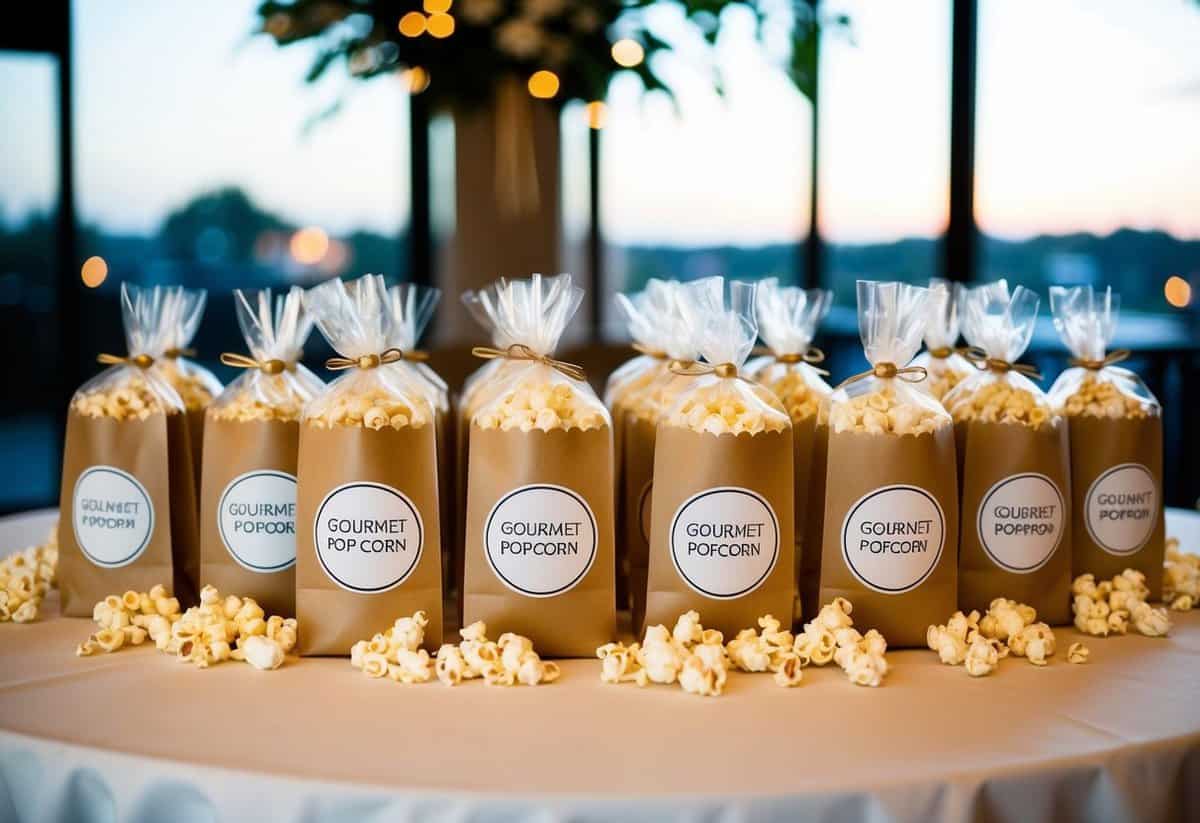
249 144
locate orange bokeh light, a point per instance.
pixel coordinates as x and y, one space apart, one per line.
1177 291
412 24
441 25
308 245
628 53
597 114
543 84
94 271
437 6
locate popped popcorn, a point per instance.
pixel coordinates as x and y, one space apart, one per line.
1000 402
1181 577
1077 653
945 366
25 578
788 318
979 642
885 412
1111 606
552 405
396 654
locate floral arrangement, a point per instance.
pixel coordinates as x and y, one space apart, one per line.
458 51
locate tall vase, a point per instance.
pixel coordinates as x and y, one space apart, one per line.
506 204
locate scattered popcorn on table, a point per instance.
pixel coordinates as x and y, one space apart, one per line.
219 629
25 578
979 643
881 412
556 405
1181 578
1077 653
1111 606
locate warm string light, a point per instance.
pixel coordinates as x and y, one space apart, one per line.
94 271
412 24
308 245
1178 292
436 6
628 53
543 84
440 25
416 79
597 114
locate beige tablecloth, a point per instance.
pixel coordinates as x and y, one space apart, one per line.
151 739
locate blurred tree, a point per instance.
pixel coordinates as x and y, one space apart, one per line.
221 225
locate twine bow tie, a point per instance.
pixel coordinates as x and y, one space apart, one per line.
1110 359
888 371
694 369
979 358
241 361
942 352
812 355
176 353
657 354
519 351
141 361
370 361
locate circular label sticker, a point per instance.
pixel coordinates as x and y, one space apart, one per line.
725 541
1122 508
368 537
112 516
256 517
644 509
893 537
1020 522
540 540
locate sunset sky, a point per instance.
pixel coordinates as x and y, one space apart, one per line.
1089 119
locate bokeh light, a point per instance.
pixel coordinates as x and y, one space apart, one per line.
441 25
437 6
412 24
308 245
1178 292
597 114
416 79
94 271
628 53
543 84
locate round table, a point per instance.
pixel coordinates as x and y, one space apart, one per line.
137 736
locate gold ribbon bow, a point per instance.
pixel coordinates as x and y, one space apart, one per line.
241 361
979 358
694 369
370 361
888 371
812 355
175 354
519 351
649 352
1110 359
142 361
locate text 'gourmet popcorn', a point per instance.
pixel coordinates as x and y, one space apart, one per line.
1095 386
219 629
884 400
379 390
941 359
999 325
397 655
978 644
1112 606
718 401
787 322
538 392
275 385
25 578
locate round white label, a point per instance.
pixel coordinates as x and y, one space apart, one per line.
1122 508
893 537
725 541
112 516
256 517
368 537
540 540
1020 522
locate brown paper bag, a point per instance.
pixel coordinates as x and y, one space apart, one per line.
903 580
637 484
368 535
248 507
559 483
813 540
128 510
742 483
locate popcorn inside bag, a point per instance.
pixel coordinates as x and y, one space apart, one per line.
539 546
197 386
128 482
1014 464
787 322
945 365
645 316
1115 426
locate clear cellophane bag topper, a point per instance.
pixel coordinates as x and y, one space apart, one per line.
891 498
722 520
368 514
1115 426
128 495
1014 464
942 360
788 318
539 531
251 439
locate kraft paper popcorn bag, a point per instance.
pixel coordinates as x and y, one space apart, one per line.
1115 426
722 521
251 440
1014 465
942 361
681 321
196 385
647 316
539 540
128 501
412 308
368 524
891 493
787 322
